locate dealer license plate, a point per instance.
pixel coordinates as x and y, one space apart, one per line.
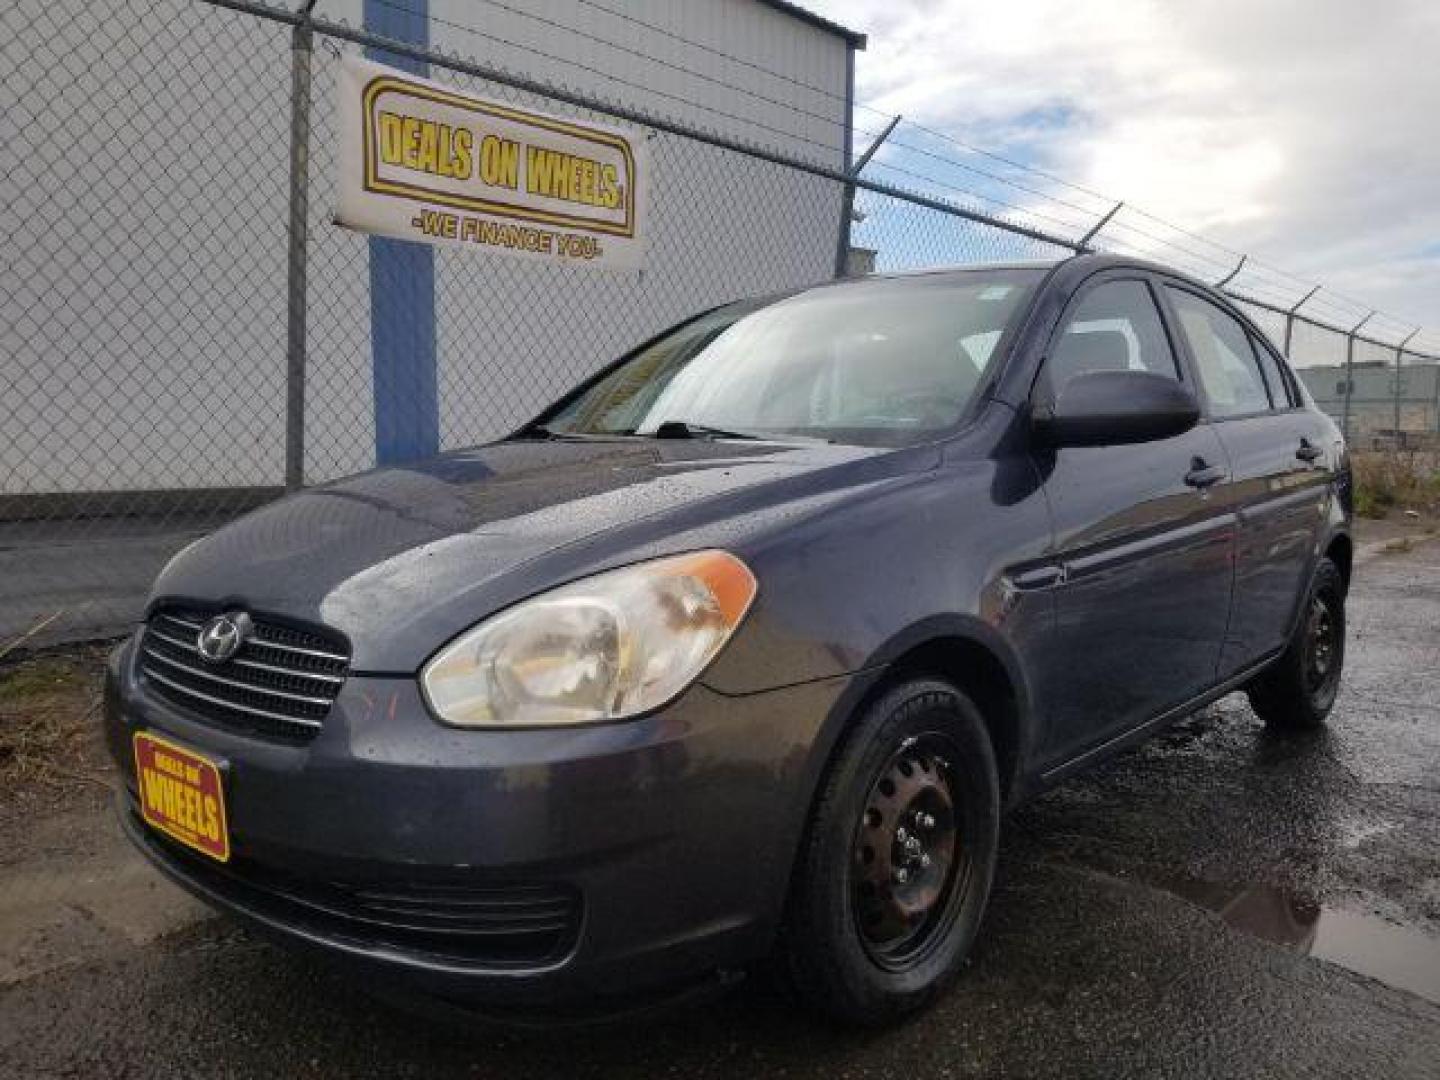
181 795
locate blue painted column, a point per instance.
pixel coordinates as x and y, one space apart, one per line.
402 289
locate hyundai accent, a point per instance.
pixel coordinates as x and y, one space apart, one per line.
741 648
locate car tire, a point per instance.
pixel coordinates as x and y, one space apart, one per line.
1297 692
897 863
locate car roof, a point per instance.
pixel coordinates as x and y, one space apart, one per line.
1089 261
1066 270
963 268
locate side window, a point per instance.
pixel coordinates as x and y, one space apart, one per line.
1115 327
1280 392
1226 363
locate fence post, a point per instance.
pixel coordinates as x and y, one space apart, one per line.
1399 355
847 201
1083 244
1350 375
1233 273
1290 318
1436 404
301 49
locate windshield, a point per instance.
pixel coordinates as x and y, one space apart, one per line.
885 362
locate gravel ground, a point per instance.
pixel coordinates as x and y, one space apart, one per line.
1220 902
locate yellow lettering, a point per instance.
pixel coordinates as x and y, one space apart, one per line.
425 146
538 166
390 138
429 148
499 162
212 818
410 143
574 179
194 805
587 183
463 146
150 781
609 178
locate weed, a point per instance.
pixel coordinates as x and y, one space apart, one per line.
1396 480
48 719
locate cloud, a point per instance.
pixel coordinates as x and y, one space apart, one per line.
1303 131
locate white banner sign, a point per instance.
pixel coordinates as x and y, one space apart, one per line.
422 161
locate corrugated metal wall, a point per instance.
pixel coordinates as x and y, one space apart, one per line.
655 70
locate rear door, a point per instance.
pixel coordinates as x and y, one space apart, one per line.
1279 461
1142 540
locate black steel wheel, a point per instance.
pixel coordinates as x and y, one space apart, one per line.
1299 689
896 867
1322 648
907 854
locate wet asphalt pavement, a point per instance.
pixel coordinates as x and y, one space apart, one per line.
1221 902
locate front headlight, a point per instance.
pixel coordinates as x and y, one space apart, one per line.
604 648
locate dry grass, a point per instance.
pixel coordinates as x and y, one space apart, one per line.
1387 482
49 720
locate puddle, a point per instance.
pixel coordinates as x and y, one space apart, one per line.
1398 956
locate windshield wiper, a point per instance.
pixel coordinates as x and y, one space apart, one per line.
670 429
686 429
540 431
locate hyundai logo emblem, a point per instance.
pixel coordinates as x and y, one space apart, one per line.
221 637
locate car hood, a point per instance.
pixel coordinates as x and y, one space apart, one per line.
402 559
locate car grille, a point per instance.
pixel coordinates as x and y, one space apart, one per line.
281 683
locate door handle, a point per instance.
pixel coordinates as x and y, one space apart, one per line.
1202 475
1308 452
1042 577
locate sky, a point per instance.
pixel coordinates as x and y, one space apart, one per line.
1306 132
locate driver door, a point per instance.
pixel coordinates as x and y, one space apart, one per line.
1143 540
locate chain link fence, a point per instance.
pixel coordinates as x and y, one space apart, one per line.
178 350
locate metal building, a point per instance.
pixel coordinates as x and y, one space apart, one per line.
143 330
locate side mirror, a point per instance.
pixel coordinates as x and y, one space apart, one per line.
1108 408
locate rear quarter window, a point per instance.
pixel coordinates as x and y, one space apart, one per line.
1282 392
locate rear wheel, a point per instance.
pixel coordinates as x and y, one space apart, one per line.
1299 689
897 864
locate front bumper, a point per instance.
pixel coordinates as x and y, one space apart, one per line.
648 852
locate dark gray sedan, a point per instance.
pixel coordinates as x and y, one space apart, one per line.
742 647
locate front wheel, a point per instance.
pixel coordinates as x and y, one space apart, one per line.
897 864
1298 691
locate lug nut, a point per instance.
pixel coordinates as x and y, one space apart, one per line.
913 844
925 861
902 875
926 821
901 835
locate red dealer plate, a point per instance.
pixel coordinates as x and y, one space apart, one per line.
181 795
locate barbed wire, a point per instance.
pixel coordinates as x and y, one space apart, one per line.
948 137
1337 304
